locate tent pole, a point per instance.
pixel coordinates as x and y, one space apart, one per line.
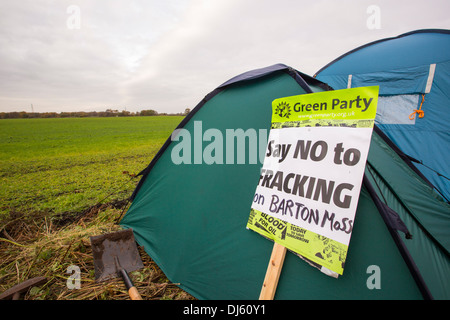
273 272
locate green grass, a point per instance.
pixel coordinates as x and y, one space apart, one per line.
55 166
52 170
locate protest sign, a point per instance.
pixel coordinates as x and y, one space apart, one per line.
308 190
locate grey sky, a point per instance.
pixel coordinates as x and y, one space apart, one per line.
85 55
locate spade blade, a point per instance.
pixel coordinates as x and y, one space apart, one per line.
107 247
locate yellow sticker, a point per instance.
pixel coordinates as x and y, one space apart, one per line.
345 104
311 246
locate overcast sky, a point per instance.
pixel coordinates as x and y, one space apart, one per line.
86 55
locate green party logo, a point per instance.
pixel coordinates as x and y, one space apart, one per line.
283 110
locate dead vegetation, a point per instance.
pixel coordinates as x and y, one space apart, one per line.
33 245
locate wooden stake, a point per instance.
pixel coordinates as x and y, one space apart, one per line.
273 272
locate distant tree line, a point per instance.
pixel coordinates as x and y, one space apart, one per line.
82 114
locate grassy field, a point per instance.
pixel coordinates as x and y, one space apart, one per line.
63 180
67 165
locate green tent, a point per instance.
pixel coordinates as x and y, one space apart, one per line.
190 210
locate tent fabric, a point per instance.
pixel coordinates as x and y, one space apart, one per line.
410 80
191 218
423 203
407 68
298 76
424 214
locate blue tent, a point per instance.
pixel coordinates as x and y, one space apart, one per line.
413 72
